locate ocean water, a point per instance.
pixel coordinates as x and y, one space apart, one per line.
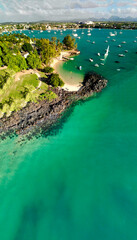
80 182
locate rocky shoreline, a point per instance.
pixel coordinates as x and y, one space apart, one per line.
45 113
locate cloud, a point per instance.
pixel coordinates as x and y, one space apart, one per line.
34 10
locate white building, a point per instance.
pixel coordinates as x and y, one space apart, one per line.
89 23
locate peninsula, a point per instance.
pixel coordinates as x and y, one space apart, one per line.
31 92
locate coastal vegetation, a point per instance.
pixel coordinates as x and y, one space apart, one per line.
43 26
18 54
69 42
55 80
15 95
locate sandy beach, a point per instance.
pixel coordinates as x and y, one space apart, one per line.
59 60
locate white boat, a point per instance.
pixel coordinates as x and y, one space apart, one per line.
93 42
112 34
107 51
89 34
41 31
114 40
135 41
121 55
71 59
55 33
78 37
91 59
82 33
102 64
75 34
48 31
124 42
120 33
80 67
98 54
118 69
126 51
74 30
96 65
106 41
119 45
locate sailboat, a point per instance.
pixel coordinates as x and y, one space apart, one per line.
107 51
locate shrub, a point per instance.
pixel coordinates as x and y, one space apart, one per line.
27 47
48 70
55 80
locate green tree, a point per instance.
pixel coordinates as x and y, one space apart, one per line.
17 63
33 60
69 42
55 80
27 47
48 70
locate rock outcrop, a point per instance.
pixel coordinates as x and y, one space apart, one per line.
47 113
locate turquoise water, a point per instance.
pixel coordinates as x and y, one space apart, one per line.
80 182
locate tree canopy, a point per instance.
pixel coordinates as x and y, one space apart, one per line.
27 47
55 80
69 42
33 60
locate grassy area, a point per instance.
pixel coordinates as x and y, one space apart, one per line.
15 95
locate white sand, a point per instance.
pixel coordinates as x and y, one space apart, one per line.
54 64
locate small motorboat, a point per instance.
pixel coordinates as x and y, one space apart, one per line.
126 51
93 42
71 59
121 55
118 69
98 54
89 34
124 42
96 65
119 46
106 41
91 59
80 67
112 34
102 64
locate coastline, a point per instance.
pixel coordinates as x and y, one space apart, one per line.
45 114
64 56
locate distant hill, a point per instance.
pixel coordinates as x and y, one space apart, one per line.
111 19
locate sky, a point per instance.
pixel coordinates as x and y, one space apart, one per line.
56 10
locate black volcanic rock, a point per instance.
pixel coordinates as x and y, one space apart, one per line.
46 113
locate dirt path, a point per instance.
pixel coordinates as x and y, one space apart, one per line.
22 73
5 67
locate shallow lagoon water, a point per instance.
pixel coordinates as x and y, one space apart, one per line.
81 182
